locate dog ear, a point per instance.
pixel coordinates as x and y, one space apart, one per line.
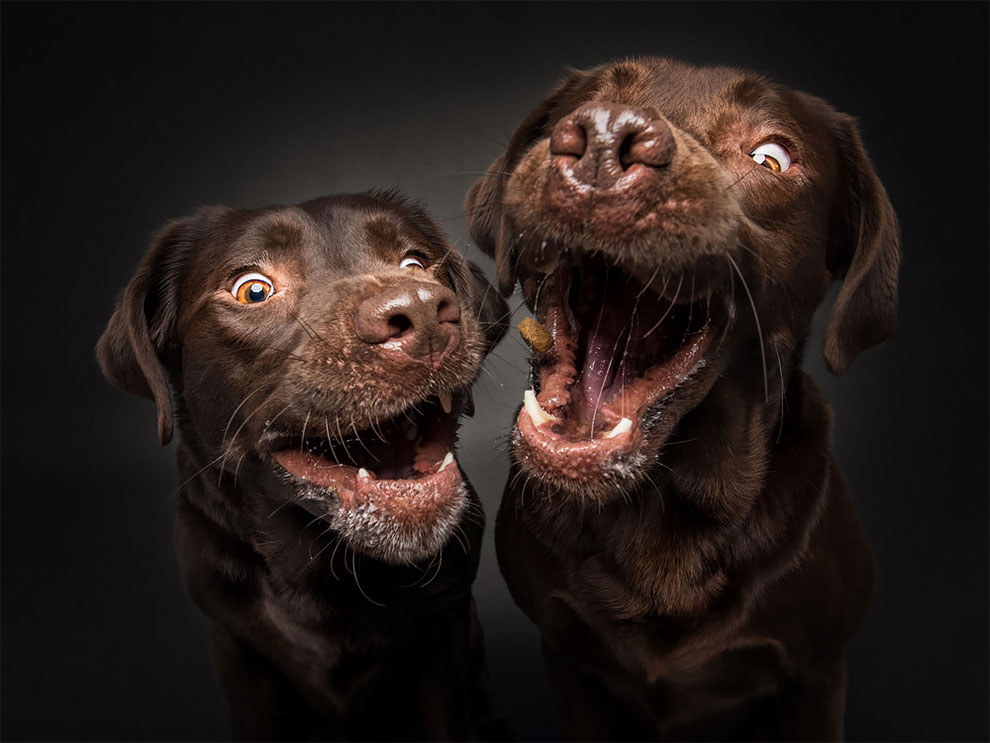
491 309
130 351
484 204
865 254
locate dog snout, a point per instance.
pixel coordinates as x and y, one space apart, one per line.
420 319
601 145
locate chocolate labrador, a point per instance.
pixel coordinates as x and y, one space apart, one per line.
675 522
315 360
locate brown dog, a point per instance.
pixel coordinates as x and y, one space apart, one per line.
316 359
675 523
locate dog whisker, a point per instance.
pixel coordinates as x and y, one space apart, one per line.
237 467
677 293
759 332
343 443
783 389
436 572
241 405
200 471
333 555
361 441
357 582
302 439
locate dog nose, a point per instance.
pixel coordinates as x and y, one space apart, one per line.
600 144
419 318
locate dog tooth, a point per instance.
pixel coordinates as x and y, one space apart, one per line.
445 401
447 461
364 473
623 426
536 412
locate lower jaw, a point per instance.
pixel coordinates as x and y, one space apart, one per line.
614 448
400 522
589 467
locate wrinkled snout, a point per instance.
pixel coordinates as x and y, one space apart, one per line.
611 147
420 320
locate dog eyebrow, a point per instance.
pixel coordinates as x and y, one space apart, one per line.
381 233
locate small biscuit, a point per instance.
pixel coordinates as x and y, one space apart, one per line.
535 335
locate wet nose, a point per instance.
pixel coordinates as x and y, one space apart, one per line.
602 144
418 318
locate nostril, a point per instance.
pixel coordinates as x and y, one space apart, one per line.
413 317
651 145
625 147
568 138
399 325
448 311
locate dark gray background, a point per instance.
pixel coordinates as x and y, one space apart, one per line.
118 117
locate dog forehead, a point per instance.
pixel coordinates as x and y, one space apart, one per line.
242 238
329 234
695 98
365 227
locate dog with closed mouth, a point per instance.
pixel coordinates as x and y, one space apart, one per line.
316 359
675 522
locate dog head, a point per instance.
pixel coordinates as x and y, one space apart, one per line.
324 351
672 226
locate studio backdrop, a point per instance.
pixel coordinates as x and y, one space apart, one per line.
119 117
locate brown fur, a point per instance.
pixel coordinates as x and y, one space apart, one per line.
709 592
314 631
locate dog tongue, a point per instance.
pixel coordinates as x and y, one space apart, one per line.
602 357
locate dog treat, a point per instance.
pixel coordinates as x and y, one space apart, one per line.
535 335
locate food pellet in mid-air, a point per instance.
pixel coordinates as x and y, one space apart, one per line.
535 335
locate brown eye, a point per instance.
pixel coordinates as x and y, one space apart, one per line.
411 261
252 288
771 155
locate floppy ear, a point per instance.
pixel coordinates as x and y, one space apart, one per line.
131 348
491 309
865 254
484 204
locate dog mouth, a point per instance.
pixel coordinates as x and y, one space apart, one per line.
393 490
401 452
610 355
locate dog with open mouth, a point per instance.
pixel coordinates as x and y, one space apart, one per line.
675 522
316 359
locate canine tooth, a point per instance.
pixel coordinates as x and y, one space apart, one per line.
623 426
447 461
535 410
364 473
444 400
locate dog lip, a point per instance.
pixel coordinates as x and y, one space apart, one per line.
576 461
396 520
346 481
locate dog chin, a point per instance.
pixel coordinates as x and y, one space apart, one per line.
396 522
